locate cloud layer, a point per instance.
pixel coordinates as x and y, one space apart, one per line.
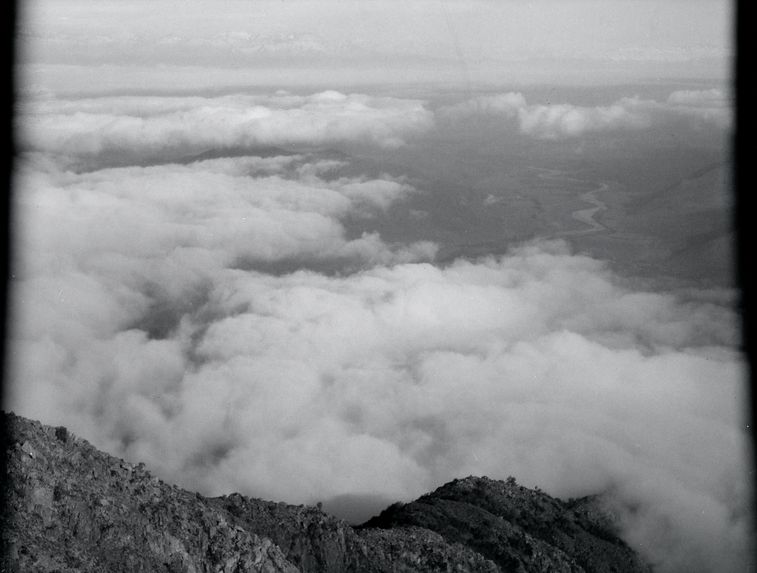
149 125
138 128
216 320
564 121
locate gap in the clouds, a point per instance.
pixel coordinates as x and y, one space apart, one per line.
230 152
478 192
166 311
122 158
666 206
329 267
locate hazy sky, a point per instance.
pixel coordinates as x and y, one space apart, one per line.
297 41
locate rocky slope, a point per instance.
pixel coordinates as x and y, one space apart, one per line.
519 529
70 507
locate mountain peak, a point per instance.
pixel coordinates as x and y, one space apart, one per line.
70 507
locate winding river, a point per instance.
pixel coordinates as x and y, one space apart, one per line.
588 215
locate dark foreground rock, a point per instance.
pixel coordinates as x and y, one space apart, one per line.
519 529
69 507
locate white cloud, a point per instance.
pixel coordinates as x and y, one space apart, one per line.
148 125
558 121
699 98
217 321
394 379
564 120
711 106
215 210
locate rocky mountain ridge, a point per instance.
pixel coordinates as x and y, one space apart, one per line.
70 507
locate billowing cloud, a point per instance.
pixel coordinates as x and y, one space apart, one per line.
394 379
211 212
144 126
563 121
217 320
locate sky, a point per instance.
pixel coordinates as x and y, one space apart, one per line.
202 281
201 44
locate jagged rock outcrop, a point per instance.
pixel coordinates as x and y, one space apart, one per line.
519 529
315 541
69 507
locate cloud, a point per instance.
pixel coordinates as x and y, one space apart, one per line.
389 381
711 106
217 320
144 126
215 210
565 121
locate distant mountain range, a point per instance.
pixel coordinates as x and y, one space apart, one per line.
71 508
